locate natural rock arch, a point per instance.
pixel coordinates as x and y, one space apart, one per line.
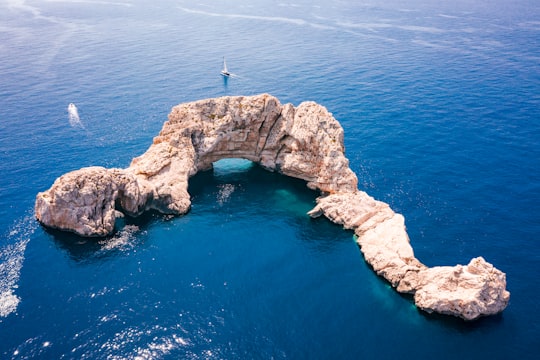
305 142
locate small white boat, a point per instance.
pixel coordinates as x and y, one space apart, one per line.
225 72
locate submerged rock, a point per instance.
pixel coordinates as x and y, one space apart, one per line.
305 142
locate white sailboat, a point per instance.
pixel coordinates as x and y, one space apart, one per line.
225 72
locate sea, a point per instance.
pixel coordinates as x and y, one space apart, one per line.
440 106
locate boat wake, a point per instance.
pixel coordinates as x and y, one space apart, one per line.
11 261
73 116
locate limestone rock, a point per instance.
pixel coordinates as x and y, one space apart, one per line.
84 201
469 292
477 289
380 232
305 142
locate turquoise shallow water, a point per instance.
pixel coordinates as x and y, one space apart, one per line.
441 110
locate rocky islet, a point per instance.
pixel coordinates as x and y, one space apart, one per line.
304 142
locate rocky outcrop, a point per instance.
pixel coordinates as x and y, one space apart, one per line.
85 201
466 291
471 291
379 231
305 142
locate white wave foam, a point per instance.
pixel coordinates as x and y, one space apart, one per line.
21 5
11 261
280 19
448 16
338 26
161 343
122 240
225 192
382 25
93 2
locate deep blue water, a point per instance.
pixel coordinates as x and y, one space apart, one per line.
440 104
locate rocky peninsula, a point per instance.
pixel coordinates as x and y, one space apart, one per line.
304 142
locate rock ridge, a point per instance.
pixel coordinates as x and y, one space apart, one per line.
304 142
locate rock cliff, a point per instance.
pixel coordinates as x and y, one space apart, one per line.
305 142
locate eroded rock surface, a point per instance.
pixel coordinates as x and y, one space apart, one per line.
471 291
84 201
467 291
305 142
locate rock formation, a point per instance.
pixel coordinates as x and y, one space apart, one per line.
305 142
477 289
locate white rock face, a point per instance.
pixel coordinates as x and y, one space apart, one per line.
304 142
467 291
380 232
83 201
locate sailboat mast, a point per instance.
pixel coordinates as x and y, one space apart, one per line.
225 72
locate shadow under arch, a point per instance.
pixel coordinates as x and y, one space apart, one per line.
231 186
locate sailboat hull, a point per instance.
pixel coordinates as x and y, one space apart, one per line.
225 72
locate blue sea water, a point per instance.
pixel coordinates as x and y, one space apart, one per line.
440 103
